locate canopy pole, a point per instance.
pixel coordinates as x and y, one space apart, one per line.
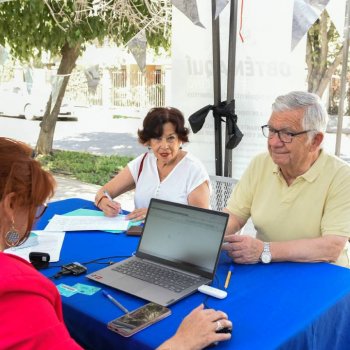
231 67
217 88
343 79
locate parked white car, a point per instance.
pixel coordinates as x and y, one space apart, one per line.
17 102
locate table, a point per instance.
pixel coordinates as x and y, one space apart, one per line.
275 306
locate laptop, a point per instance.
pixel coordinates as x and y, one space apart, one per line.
177 252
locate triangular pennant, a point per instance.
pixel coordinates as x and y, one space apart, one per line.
56 86
189 9
305 13
137 47
3 55
219 6
29 78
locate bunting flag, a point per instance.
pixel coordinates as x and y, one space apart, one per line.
93 78
305 13
189 9
137 46
219 6
3 55
29 78
56 86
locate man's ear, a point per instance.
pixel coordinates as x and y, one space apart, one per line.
317 140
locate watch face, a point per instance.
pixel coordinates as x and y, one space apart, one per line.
266 257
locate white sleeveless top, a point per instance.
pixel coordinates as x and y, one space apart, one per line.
187 175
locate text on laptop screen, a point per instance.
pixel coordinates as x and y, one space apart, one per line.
183 234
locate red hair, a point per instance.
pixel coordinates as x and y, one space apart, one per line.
23 175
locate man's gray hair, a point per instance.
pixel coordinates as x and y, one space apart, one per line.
315 115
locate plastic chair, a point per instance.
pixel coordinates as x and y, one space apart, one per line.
221 190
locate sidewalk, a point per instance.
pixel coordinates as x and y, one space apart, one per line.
71 188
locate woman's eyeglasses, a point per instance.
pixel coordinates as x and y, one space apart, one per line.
40 211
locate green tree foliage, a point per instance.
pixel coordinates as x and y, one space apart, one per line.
323 53
64 27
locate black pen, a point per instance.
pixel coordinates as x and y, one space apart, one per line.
115 302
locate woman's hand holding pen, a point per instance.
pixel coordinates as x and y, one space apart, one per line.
108 205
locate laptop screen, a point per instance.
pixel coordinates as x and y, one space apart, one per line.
183 234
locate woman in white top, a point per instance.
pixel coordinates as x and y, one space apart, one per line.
165 171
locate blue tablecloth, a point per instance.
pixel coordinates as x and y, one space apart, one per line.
275 306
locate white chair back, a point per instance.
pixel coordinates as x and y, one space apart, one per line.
221 190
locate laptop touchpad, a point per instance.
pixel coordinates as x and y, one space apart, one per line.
130 283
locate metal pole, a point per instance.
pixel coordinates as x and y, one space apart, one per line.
343 79
217 88
231 67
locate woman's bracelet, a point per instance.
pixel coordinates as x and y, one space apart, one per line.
99 201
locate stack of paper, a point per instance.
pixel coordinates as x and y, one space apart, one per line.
87 223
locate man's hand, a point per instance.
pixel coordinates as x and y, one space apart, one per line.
243 249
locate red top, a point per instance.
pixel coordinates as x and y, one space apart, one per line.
30 309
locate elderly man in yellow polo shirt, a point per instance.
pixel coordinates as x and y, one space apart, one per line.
297 195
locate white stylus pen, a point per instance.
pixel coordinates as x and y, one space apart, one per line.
108 195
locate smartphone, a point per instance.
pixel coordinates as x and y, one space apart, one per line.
134 231
138 319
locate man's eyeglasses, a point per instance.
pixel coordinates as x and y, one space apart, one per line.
40 211
284 136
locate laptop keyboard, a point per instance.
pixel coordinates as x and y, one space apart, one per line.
166 278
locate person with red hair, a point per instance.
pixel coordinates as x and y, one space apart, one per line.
30 305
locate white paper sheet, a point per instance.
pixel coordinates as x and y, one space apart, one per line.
40 241
87 223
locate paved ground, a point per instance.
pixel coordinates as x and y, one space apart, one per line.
95 131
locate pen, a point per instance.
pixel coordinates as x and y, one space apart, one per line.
115 302
229 273
108 195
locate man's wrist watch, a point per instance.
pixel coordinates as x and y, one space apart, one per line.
265 256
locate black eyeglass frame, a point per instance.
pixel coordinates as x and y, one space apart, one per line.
278 132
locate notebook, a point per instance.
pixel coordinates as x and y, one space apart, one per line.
178 250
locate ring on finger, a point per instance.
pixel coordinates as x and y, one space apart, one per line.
219 326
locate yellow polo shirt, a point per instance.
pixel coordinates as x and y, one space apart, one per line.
316 204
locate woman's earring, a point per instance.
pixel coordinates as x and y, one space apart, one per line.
180 146
12 236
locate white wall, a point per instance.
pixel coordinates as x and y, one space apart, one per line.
265 68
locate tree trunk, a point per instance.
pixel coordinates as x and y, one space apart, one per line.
320 68
327 76
48 124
